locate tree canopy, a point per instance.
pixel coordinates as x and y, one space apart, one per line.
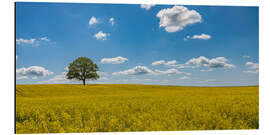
82 69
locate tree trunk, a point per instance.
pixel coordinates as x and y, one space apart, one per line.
83 81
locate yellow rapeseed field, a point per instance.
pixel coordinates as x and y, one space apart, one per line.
55 108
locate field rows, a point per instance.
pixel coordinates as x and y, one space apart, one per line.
104 108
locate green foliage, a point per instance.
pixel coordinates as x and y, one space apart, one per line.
106 108
82 69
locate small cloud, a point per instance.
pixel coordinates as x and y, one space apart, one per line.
16 57
252 65
33 41
115 60
253 68
168 63
155 63
181 66
25 41
147 6
202 36
177 18
45 39
112 21
101 35
93 20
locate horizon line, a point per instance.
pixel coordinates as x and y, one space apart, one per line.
141 84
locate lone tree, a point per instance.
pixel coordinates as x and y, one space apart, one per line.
82 69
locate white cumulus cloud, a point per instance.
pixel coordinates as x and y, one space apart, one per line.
218 62
33 71
171 63
147 6
176 18
252 65
115 60
138 70
253 68
202 36
143 70
101 35
93 20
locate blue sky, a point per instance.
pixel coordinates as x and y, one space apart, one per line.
141 44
